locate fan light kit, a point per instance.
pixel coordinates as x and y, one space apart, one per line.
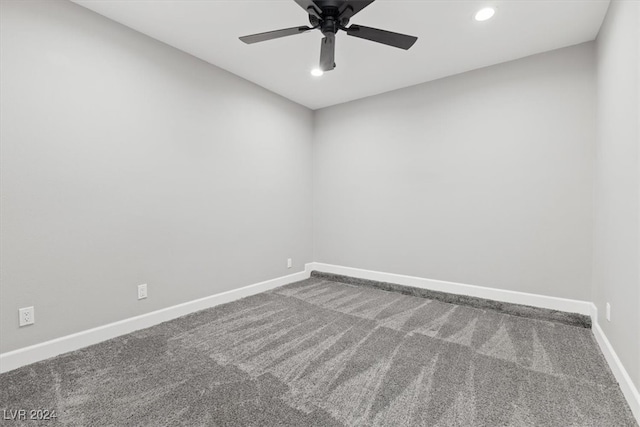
331 16
484 14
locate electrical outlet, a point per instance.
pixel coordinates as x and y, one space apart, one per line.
27 316
609 312
289 263
142 291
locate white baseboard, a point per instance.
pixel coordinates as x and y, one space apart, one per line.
627 386
542 301
24 356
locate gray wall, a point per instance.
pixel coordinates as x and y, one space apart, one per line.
125 161
617 182
482 178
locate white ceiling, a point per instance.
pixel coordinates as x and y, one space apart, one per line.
449 42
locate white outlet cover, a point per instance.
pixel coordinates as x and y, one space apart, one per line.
142 291
27 316
289 263
608 313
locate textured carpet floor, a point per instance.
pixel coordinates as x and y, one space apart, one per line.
325 353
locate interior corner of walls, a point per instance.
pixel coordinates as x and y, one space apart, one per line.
309 267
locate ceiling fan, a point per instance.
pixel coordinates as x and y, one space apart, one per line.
330 16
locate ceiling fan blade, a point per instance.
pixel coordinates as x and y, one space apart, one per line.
270 35
351 7
310 7
327 53
389 38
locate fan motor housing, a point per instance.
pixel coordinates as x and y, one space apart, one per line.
329 4
329 25
330 21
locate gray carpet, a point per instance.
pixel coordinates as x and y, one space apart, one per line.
324 353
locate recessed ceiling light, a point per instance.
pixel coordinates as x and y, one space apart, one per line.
317 72
484 14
